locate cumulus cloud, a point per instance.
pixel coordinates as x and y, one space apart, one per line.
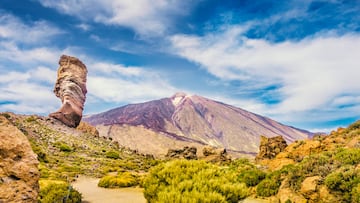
121 84
27 86
11 52
26 43
146 17
310 74
13 29
26 92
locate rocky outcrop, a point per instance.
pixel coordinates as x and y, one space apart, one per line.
88 129
215 155
70 87
270 147
186 153
309 188
19 174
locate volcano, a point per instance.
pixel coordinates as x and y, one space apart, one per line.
188 120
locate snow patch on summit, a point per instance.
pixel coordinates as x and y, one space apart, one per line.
178 98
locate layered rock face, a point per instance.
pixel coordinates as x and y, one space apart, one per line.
70 87
19 174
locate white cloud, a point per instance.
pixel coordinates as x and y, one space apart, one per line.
27 43
83 26
109 68
120 84
38 32
146 17
10 52
312 72
27 96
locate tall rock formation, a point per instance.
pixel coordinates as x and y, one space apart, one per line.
19 174
70 87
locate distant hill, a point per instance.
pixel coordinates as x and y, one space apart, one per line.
181 120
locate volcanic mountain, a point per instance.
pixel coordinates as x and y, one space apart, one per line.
188 120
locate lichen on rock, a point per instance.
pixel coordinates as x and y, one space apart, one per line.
70 87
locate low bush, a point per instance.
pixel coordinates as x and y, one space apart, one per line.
344 181
63 147
348 156
112 155
125 179
39 151
192 181
251 177
57 192
267 187
354 126
355 194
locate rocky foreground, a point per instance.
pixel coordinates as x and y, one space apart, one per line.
19 173
325 168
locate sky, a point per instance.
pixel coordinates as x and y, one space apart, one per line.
295 61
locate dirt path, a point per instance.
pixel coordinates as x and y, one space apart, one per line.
91 193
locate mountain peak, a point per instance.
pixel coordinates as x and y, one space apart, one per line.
178 97
184 120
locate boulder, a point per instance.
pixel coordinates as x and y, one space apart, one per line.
19 174
88 129
70 87
309 188
186 153
286 194
215 155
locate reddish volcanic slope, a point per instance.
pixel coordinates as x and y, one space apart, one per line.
155 126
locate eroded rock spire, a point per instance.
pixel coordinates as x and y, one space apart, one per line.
70 87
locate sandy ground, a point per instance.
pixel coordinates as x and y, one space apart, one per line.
252 200
91 193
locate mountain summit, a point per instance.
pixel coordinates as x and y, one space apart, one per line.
181 120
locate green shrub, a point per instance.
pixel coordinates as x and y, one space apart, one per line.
268 187
65 148
30 119
248 173
192 181
343 182
39 151
251 177
112 155
354 126
348 156
295 177
6 115
193 196
318 164
125 179
355 194
58 192
314 165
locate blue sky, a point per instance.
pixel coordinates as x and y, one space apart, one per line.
294 61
